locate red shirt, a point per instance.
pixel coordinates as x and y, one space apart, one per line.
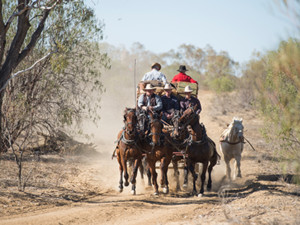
183 77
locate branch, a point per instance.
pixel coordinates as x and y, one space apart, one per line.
39 6
25 70
34 37
15 14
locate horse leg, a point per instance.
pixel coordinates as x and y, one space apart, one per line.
121 174
146 166
212 163
134 174
154 175
238 166
142 168
124 165
204 169
176 173
191 167
186 175
164 171
228 170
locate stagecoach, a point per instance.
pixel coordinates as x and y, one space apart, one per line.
160 142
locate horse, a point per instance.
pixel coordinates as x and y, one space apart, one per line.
127 149
201 149
156 149
231 144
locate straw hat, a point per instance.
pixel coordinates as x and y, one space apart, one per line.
156 66
149 87
188 89
168 87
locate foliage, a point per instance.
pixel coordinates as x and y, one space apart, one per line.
60 91
275 77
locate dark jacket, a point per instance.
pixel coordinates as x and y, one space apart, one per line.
186 103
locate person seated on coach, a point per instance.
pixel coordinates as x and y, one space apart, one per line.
182 76
190 101
170 104
154 74
149 101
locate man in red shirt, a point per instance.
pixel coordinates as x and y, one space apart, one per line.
182 76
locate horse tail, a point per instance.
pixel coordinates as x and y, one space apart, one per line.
216 155
114 154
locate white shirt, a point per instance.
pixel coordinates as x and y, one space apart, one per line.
155 75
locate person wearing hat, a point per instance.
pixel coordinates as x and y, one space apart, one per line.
181 76
170 104
190 101
155 74
149 100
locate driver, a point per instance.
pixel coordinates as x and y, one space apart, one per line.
190 101
149 101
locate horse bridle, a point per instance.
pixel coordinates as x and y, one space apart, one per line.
128 123
161 134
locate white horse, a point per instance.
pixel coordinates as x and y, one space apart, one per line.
231 144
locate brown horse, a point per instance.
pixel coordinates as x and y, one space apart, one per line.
157 149
201 150
127 149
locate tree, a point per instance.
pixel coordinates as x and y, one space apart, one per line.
63 25
60 88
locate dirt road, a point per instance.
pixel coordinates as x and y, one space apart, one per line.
261 196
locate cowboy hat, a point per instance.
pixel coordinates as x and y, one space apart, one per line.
156 66
188 89
149 87
168 87
182 68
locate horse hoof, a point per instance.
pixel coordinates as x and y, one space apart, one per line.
200 195
165 190
120 190
126 184
156 193
133 192
184 185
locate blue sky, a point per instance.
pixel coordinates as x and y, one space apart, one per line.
236 26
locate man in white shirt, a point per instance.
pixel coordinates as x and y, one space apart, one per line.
154 74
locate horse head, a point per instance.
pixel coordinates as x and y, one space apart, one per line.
130 120
236 130
189 116
156 127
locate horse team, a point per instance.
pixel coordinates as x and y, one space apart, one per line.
187 141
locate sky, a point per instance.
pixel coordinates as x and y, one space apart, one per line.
239 27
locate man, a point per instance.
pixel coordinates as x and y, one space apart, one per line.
181 76
148 101
190 101
154 74
170 104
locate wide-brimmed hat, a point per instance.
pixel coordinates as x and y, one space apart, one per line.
156 65
168 87
149 87
182 68
188 89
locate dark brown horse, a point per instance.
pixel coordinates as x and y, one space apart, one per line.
157 149
128 150
201 150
